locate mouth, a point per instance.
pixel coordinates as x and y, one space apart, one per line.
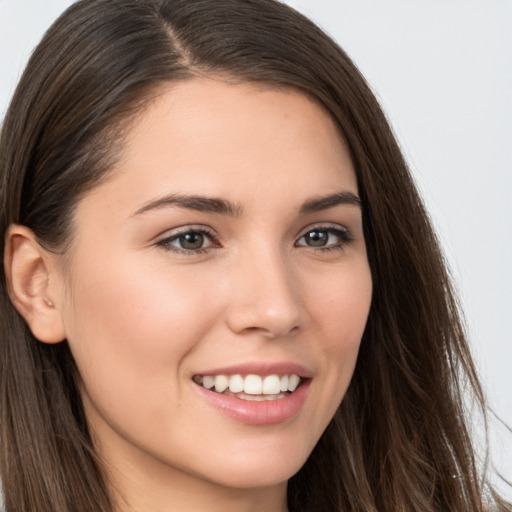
258 397
251 387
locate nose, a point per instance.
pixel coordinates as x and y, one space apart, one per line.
264 296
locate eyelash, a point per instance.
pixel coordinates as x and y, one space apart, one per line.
342 234
166 242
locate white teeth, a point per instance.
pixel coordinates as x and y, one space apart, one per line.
271 385
236 384
221 383
208 382
293 382
253 385
261 398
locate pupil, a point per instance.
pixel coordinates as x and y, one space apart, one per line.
317 238
191 241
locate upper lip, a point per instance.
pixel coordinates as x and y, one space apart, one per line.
261 368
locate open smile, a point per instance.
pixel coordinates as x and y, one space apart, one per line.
251 387
255 399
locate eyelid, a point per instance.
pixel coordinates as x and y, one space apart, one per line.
324 226
186 228
164 240
339 230
173 234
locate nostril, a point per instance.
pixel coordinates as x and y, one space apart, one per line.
268 322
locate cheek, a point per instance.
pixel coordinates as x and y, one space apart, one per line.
130 326
341 306
130 301
339 311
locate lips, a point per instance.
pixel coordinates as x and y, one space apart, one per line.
256 394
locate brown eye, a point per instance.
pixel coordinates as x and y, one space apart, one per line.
191 241
325 238
316 238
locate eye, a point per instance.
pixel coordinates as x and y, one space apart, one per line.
325 238
190 241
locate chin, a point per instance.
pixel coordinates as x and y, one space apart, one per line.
264 467
271 475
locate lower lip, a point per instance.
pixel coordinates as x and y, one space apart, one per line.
268 412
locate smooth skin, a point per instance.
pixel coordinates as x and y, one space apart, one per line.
153 292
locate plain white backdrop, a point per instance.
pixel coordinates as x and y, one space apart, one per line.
443 72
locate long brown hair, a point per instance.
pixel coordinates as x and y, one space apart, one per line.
400 439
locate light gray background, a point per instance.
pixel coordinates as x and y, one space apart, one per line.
443 72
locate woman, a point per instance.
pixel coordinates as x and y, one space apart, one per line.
221 289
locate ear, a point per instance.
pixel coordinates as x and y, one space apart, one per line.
32 281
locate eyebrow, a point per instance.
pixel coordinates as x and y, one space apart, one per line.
326 202
224 207
198 203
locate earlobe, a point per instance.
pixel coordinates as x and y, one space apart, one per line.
29 270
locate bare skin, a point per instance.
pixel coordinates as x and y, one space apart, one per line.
160 291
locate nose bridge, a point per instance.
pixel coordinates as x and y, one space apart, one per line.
266 297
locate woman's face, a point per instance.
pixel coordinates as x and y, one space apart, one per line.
227 243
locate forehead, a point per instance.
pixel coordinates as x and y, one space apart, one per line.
231 141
